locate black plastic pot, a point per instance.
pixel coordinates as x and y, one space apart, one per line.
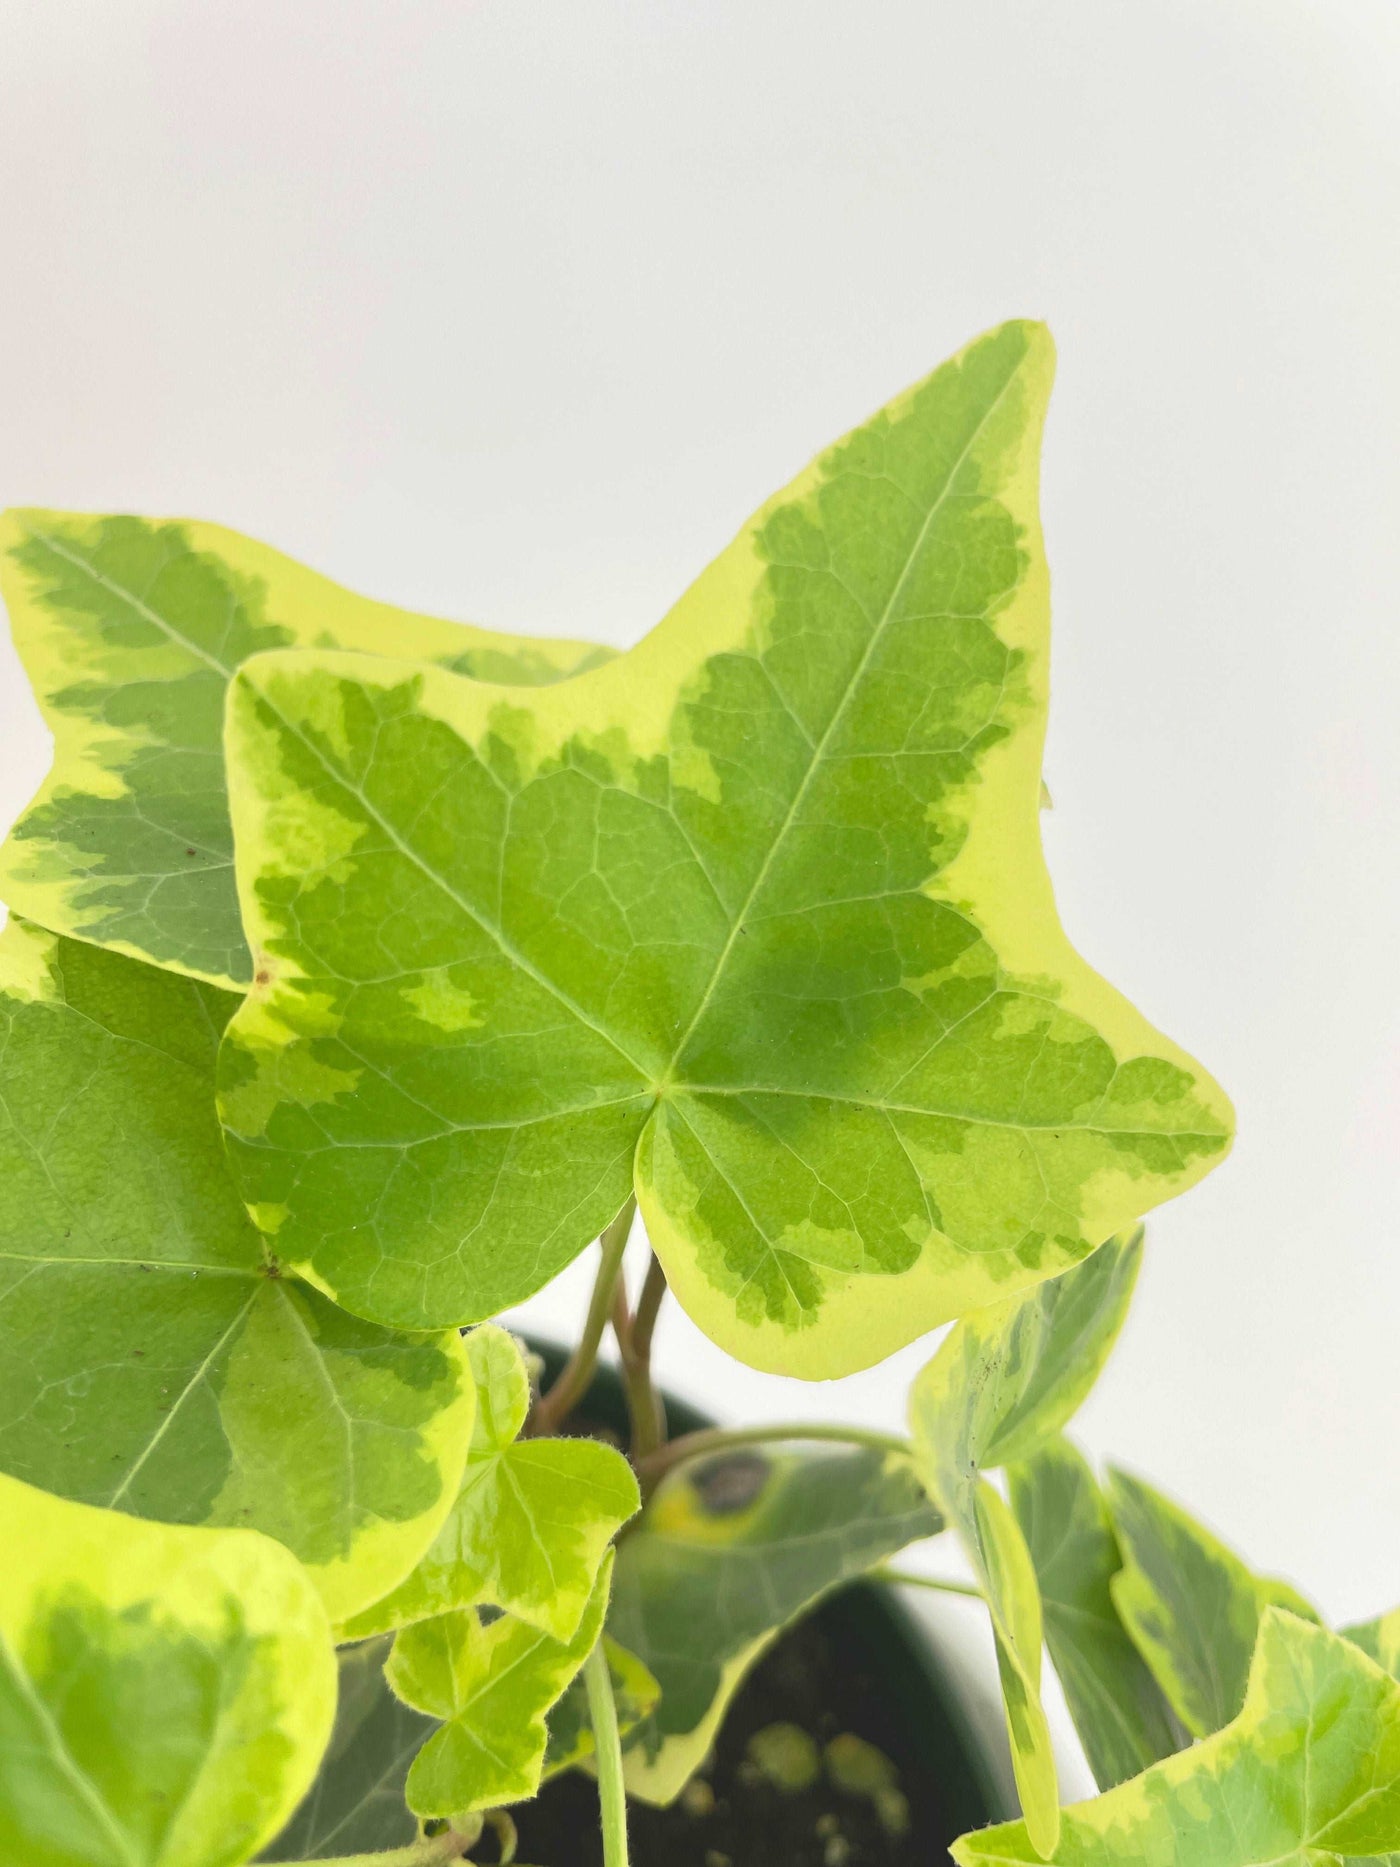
953 1777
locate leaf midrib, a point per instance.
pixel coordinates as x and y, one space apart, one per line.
133 602
87 1790
240 1315
818 752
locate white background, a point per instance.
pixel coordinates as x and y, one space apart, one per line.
514 311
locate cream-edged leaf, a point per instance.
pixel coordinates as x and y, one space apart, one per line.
533 1519
152 1359
728 1551
1307 1775
130 629
165 1694
492 1684
1192 1606
1379 1639
1122 1718
1003 1382
753 920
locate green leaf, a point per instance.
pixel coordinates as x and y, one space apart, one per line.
728 1551
635 1695
1004 1381
129 629
165 1694
1308 1773
532 1522
356 1804
1191 1605
151 1359
1379 1640
1122 1718
753 919
1008 1377
492 1684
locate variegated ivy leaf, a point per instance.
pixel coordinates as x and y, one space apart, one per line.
1122 1718
1308 1775
728 1551
165 1694
753 920
152 1359
356 1804
1004 1381
532 1521
492 1684
130 629
636 1693
1379 1639
1191 1605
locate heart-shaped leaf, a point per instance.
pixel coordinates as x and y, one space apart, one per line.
165 1694
532 1522
130 630
1191 1605
151 1358
1307 1775
492 1685
729 1549
1006 1379
753 918
1122 1718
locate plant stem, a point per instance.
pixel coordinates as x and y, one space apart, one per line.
439 1851
654 1468
612 1797
905 1578
634 1333
555 1407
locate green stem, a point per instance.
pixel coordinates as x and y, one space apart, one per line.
905 1578
612 1797
722 1438
555 1407
634 1333
439 1851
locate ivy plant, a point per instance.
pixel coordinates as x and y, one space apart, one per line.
362 968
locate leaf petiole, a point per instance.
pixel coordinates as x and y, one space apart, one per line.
555 1407
434 1851
612 1796
653 1468
905 1578
634 1334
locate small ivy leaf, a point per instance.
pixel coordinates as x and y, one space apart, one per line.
1004 1381
150 1359
532 1522
1191 1605
1379 1640
752 921
635 1695
356 1804
129 630
1122 1718
1306 1775
165 1694
492 1684
728 1551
